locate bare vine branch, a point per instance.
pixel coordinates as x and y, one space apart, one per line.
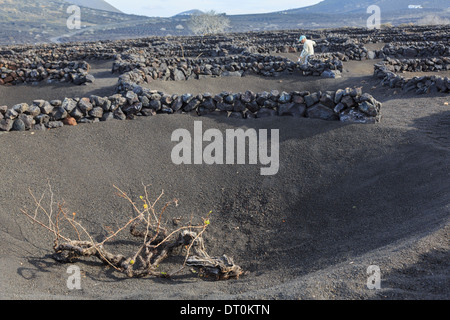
159 242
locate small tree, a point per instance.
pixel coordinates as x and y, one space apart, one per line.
208 23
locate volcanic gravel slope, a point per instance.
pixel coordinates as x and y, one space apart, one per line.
346 196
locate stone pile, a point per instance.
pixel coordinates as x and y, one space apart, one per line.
325 66
64 52
165 68
417 65
12 73
419 50
180 49
421 85
350 49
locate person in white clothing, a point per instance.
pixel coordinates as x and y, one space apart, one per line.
308 49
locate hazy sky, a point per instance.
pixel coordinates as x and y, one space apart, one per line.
168 8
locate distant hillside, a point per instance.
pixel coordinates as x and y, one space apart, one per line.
189 13
35 21
95 4
360 6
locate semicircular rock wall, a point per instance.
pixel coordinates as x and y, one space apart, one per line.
347 105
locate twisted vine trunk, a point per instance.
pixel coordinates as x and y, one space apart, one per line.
151 254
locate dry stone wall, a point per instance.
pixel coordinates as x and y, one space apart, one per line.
12 73
179 69
417 50
139 61
421 85
432 64
347 105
